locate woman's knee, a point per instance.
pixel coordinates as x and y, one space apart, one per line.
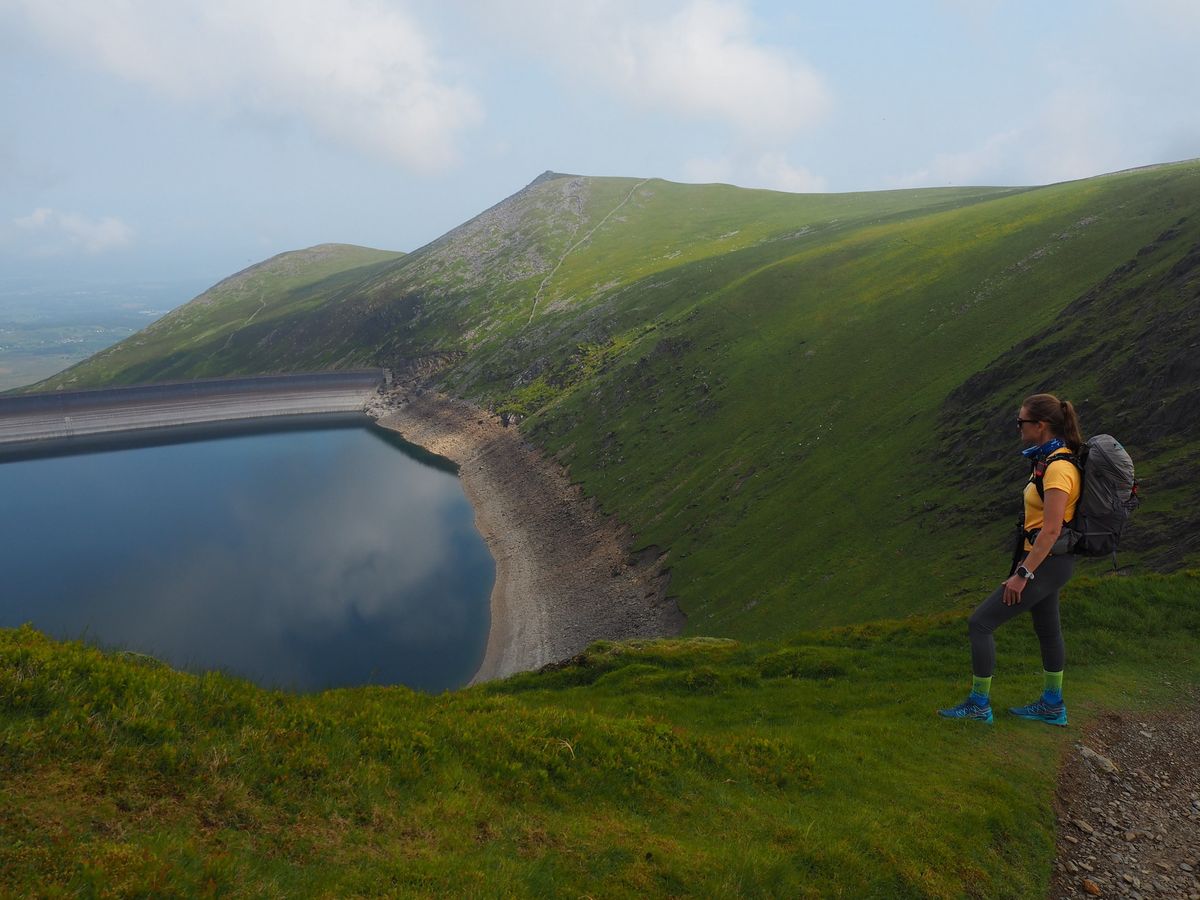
980 623
987 615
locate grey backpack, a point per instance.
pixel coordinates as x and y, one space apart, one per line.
1108 498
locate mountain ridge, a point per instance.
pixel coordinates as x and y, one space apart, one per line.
706 360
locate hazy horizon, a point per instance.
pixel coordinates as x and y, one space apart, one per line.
191 140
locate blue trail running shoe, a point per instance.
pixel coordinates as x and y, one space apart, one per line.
969 709
1041 711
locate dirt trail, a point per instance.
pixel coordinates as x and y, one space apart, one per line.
565 575
1128 808
578 244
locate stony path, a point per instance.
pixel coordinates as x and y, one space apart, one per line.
579 243
1129 809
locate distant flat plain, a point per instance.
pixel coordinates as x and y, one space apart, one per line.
49 324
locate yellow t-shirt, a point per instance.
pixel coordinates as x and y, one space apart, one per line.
1065 477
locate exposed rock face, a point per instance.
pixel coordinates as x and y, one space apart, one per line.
565 573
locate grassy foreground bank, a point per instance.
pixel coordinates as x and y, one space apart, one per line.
809 766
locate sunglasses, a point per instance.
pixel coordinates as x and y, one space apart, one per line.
1021 422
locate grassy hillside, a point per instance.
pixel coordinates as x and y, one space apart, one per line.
804 398
791 436
812 766
193 341
547 256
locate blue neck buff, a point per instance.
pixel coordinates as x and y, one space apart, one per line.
1043 450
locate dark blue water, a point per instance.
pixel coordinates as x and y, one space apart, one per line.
301 559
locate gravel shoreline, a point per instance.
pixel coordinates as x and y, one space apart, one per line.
565 573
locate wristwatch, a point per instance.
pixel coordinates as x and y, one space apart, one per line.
1025 573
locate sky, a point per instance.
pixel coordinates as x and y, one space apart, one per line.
188 139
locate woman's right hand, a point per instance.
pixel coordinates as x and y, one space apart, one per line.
1012 589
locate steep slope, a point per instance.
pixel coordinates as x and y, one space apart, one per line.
1128 350
784 436
198 338
802 397
534 269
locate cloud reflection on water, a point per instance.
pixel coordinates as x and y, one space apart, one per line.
303 559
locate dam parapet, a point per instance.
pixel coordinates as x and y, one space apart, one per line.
30 421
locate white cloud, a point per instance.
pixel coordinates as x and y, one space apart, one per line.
978 165
357 72
770 170
1077 132
51 232
775 172
699 61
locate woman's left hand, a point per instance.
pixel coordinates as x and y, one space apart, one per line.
1012 589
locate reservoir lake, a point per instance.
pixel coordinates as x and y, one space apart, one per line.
302 559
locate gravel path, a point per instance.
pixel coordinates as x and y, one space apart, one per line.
1129 809
565 574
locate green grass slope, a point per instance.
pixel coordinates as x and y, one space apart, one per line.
554 255
812 766
790 434
804 398
192 341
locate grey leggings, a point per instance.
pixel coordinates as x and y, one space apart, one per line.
1040 598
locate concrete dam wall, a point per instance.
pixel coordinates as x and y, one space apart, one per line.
32 421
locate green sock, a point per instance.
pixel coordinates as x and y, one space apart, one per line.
1052 688
981 686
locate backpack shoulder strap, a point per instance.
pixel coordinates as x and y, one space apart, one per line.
1039 469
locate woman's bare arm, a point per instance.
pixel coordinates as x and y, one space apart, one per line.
1052 523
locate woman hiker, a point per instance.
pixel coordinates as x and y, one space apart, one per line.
1050 430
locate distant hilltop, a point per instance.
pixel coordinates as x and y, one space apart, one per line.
548 176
